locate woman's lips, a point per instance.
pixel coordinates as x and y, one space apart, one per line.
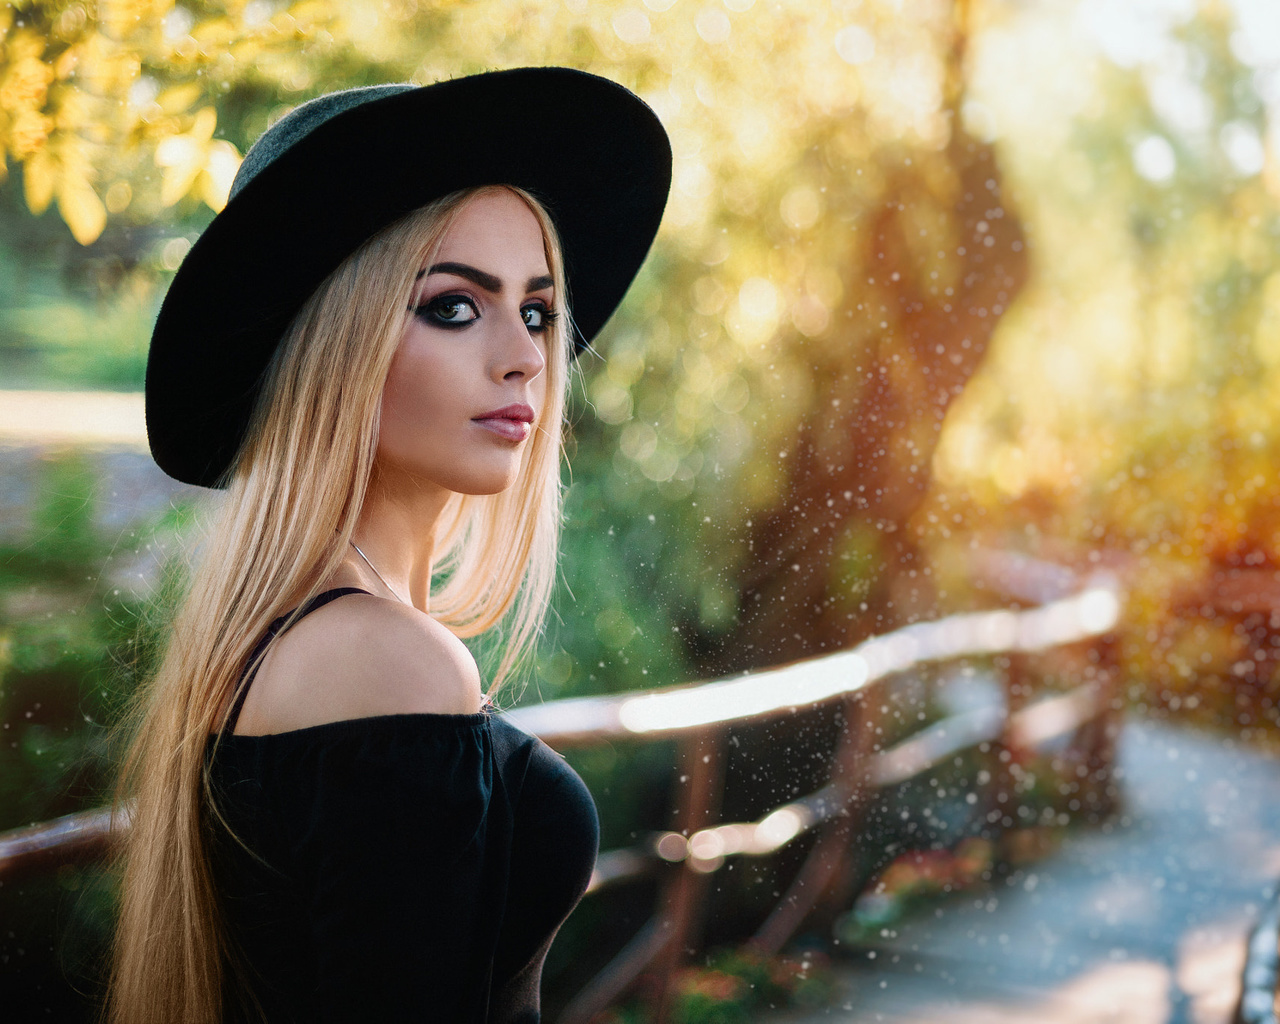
513 422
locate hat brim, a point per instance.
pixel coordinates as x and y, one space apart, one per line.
589 149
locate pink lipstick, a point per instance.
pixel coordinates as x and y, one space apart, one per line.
513 422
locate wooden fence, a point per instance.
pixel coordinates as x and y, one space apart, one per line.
1068 611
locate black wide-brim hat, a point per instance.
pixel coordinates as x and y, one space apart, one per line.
338 169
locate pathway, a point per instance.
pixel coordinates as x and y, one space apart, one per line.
1141 922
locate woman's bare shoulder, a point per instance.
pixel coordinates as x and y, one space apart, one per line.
360 657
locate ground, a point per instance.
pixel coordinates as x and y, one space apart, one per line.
1141 921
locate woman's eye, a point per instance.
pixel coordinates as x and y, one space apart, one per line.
448 311
537 317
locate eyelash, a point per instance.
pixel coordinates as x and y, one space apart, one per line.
429 312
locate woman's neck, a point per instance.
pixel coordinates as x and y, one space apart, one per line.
396 536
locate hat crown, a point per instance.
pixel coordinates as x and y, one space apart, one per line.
301 122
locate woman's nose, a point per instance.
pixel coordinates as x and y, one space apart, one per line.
523 355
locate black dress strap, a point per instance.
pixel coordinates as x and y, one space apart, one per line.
251 666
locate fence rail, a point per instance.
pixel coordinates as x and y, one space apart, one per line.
699 717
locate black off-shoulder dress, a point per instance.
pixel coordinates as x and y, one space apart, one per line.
400 868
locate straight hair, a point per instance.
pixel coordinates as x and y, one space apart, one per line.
294 495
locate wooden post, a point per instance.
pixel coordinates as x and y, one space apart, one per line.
1002 813
828 870
605 988
700 788
1098 797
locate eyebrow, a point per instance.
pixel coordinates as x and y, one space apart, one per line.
486 281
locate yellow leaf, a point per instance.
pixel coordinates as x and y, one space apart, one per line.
26 84
25 45
206 121
75 110
77 202
174 150
99 63
178 98
182 159
65 66
220 168
123 17
83 211
38 176
215 36
185 156
28 133
75 166
179 177
319 11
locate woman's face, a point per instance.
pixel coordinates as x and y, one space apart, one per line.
468 382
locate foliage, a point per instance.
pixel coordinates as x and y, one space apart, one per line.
96 97
52 327
915 878
74 638
732 984
1162 379
1125 420
72 643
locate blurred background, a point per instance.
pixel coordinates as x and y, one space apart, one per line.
938 278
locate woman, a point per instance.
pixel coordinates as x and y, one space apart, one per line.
368 348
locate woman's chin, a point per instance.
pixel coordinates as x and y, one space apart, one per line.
481 489
460 474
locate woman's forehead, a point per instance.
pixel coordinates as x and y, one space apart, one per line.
496 232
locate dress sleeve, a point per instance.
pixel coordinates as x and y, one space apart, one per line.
395 853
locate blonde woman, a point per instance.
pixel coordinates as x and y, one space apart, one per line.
368 350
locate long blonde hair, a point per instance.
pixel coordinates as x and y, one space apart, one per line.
292 502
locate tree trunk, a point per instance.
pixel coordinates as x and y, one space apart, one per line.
833 561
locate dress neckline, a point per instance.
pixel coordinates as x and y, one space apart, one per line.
341 726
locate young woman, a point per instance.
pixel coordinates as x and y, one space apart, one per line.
368 349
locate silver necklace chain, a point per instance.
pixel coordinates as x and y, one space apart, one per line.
394 593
